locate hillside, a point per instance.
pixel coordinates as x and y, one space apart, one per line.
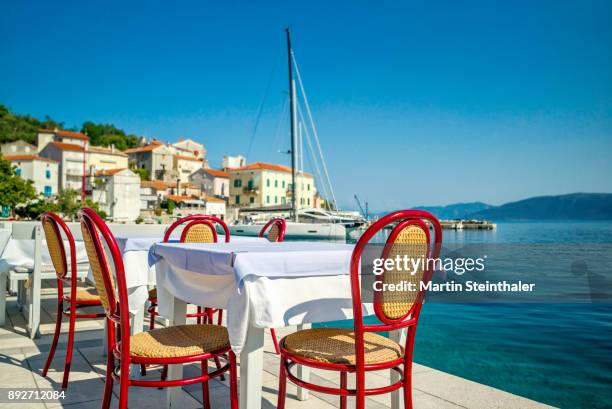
15 127
575 206
456 210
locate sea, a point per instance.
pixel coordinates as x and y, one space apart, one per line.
555 348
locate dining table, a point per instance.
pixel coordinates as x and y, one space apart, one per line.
260 285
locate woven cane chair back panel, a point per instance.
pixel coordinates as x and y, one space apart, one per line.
274 233
101 271
199 233
412 241
56 248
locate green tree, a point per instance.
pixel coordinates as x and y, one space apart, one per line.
143 173
68 204
109 134
35 208
169 205
15 127
13 189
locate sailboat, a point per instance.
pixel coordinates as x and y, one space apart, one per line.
302 223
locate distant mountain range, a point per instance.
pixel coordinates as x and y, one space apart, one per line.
575 206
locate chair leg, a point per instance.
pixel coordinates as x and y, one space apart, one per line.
164 374
282 385
153 313
220 318
343 386
218 365
108 384
360 387
70 346
58 328
233 380
205 390
124 385
274 340
199 315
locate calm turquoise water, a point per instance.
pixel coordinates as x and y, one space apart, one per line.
559 354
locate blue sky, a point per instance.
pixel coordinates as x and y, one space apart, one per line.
416 103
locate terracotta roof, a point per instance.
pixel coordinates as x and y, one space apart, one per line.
13 158
66 134
147 148
106 151
109 172
267 166
178 198
67 146
217 173
214 199
155 184
192 158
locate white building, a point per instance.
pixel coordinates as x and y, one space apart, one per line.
18 148
215 207
106 158
71 158
213 182
47 135
117 192
233 162
189 147
157 158
42 171
186 165
152 192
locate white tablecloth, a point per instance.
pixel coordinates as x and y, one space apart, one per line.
139 263
268 285
20 254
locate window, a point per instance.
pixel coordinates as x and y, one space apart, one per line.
283 199
250 184
276 183
48 174
268 182
309 187
275 199
251 199
268 199
47 191
237 199
283 184
18 172
238 183
308 201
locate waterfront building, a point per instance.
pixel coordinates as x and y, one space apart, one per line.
43 172
71 159
215 206
45 136
187 165
213 182
152 192
117 192
106 158
18 148
189 147
233 162
156 157
264 184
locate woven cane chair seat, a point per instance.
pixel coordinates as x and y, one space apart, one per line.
153 293
85 295
179 341
337 346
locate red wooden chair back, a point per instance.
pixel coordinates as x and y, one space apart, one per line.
200 229
396 309
111 288
276 230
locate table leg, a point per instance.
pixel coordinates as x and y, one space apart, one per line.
251 369
303 372
35 287
396 396
177 317
2 298
136 327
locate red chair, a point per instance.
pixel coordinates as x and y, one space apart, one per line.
77 298
173 345
361 350
200 228
276 233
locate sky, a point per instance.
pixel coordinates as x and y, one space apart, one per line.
416 103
